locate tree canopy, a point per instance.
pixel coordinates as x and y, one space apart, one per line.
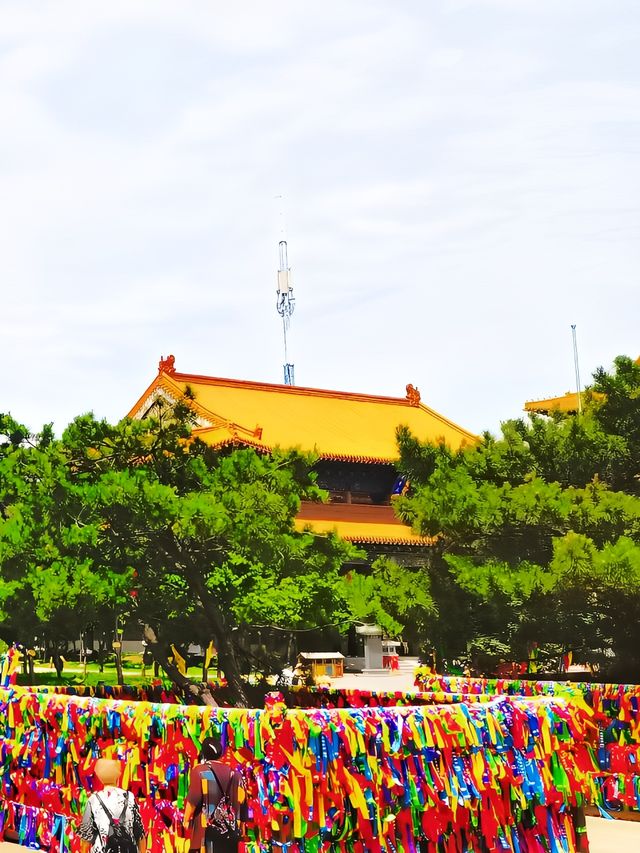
537 538
538 530
143 518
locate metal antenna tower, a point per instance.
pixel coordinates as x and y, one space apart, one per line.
285 305
576 364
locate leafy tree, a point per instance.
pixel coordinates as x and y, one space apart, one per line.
617 411
44 596
538 530
143 517
390 595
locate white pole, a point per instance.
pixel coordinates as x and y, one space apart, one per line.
577 367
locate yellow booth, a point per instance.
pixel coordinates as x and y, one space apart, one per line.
324 664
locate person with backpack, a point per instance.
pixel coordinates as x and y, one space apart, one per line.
212 809
111 821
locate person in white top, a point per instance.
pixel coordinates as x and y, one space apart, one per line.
95 825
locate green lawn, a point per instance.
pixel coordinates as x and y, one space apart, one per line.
74 674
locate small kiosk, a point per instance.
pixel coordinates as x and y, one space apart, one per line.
323 664
372 636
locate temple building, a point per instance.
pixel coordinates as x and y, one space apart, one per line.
353 436
565 404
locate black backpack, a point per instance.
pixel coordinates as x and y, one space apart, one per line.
119 840
222 823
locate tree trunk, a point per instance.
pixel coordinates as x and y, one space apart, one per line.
58 662
118 657
199 692
227 661
30 666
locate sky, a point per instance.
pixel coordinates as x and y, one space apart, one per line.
461 183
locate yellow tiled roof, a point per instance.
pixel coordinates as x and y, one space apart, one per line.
366 533
566 403
361 523
334 424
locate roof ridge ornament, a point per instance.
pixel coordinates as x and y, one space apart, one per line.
413 395
167 365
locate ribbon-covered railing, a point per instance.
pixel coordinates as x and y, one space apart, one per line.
498 775
9 666
298 696
157 691
616 709
330 697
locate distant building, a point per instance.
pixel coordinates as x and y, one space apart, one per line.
564 404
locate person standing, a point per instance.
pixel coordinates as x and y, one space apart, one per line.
211 782
113 806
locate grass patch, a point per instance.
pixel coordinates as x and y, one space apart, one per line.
75 673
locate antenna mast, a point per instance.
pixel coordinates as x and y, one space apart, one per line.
285 305
577 367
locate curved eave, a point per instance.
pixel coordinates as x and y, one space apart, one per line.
237 441
365 533
416 542
366 460
232 441
165 384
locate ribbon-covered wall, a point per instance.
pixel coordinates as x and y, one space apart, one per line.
484 776
616 709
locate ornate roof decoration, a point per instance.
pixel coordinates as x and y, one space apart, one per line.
413 395
167 365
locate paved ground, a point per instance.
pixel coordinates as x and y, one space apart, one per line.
605 836
392 682
613 836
